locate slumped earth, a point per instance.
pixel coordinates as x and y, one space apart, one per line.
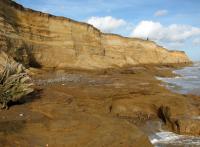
101 108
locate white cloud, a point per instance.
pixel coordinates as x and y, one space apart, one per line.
172 33
106 24
196 41
147 29
161 13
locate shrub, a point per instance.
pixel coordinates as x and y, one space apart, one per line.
14 82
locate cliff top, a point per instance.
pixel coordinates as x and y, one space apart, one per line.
22 8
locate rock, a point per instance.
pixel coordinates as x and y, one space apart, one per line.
164 114
43 40
181 125
186 126
189 126
130 108
52 121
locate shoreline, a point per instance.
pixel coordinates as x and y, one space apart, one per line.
185 81
163 138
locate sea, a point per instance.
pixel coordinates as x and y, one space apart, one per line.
187 81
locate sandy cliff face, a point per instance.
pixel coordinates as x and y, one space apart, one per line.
48 41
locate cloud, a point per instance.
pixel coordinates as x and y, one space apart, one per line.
147 29
196 41
158 32
107 24
161 13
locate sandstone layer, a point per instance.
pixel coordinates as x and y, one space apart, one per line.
44 40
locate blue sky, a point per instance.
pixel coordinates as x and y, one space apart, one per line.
174 24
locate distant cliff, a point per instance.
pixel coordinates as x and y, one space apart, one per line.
44 40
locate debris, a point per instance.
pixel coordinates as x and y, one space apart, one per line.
21 114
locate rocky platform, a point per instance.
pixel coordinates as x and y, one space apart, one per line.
104 108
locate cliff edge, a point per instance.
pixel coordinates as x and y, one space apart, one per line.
44 40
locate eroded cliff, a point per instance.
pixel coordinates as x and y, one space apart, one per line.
40 39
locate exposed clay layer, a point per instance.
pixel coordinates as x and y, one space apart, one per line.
50 41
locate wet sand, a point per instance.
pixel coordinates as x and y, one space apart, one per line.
85 108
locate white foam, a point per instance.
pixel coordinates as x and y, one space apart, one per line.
173 138
154 141
174 72
177 77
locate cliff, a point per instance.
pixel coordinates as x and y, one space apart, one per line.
44 40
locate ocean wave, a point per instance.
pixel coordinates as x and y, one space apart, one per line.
190 77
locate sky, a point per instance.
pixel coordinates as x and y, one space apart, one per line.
174 24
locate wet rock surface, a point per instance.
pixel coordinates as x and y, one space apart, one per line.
91 109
